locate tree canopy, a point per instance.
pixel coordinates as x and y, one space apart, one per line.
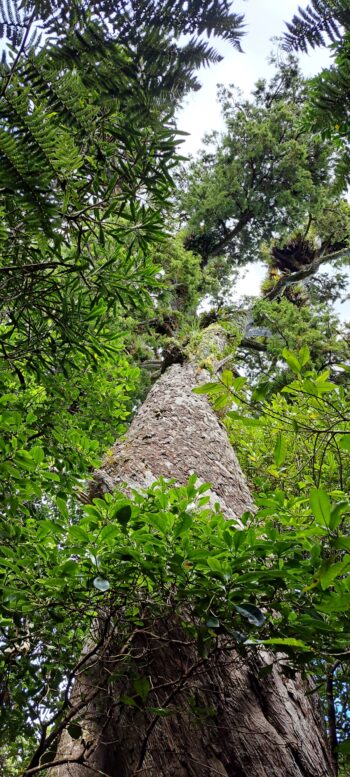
265 176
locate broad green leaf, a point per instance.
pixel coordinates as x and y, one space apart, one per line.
204 487
75 730
69 568
320 506
292 360
78 533
227 379
238 383
252 613
93 513
344 442
185 522
208 388
342 542
332 571
123 515
334 603
214 564
37 454
245 420
109 532
24 460
62 506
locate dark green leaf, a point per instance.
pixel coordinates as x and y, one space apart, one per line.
252 613
75 731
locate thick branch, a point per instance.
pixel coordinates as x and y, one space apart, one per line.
252 344
305 272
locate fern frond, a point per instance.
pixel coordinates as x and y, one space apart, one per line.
320 20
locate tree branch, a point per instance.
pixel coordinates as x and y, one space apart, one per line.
305 272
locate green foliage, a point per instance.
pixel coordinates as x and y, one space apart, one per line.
320 19
291 327
170 548
294 447
264 177
87 146
327 110
75 228
151 28
89 280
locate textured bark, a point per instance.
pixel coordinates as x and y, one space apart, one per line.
246 723
175 434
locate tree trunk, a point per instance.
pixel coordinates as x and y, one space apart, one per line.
228 718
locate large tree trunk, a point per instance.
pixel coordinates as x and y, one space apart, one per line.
245 723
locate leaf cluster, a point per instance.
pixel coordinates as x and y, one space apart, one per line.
167 552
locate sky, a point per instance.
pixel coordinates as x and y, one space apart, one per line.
264 20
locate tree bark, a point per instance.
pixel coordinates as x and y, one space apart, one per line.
228 718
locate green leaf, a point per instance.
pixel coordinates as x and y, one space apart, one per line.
142 687
78 533
101 584
292 360
69 568
304 355
337 512
184 523
320 506
62 506
37 454
287 642
123 515
214 564
280 451
24 460
75 731
344 442
93 513
252 613
245 420
332 571
334 603
342 542
109 532
128 701
208 388
212 622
